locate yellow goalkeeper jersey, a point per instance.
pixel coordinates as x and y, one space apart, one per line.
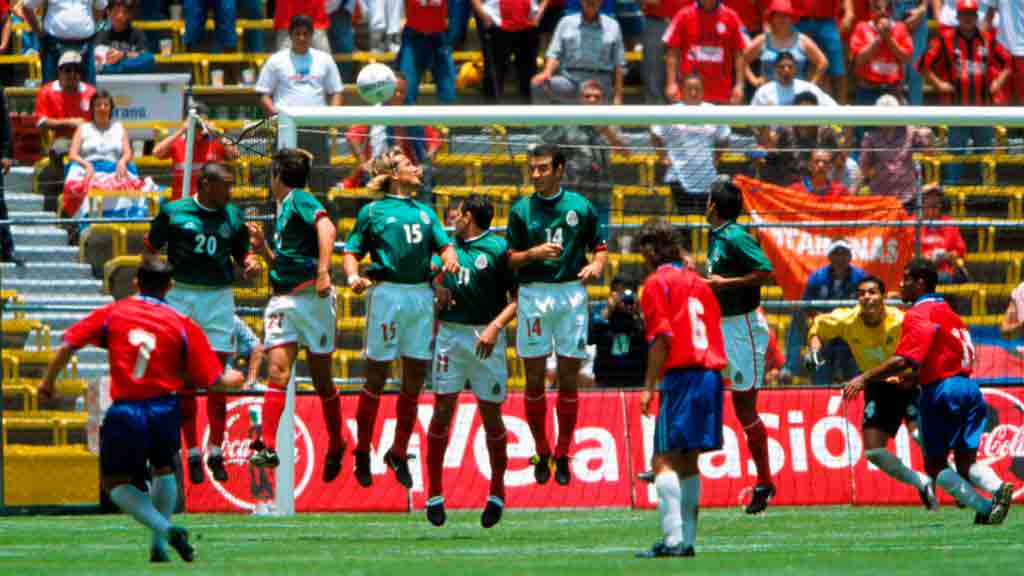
870 345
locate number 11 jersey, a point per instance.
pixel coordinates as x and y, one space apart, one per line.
201 242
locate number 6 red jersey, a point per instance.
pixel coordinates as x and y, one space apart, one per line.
151 348
677 303
935 340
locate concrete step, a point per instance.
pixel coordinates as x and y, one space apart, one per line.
19 181
43 273
91 371
38 236
39 254
29 214
68 299
32 285
22 202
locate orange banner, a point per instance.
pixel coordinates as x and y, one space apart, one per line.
795 253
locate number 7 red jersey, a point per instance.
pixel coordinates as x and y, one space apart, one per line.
935 340
677 303
152 348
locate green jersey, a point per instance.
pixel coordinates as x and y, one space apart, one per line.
480 289
400 235
567 219
732 253
295 242
201 243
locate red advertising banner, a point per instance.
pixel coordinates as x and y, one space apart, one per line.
795 253
816 451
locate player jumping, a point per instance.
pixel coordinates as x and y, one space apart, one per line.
470 347
549 235
302 310
685 358
936 343
872 330
152 348
400 234
737 268
206 240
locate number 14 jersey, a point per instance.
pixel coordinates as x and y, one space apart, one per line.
201 242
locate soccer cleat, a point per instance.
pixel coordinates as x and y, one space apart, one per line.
541 468
216 464
195 469
435 511
646 476
660 550
400 466
265 458
928 498
177 537
362 470
158 556
332 464
562 473
1001 500
981 519
492 512
759 501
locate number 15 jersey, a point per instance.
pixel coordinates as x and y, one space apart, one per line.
201 242
400 234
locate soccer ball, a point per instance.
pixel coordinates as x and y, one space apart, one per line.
376 83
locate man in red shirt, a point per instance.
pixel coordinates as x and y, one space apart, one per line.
657 15
151 349
685 359
207 148
508 28
937 345
819 181
819 20
63 105
315 9
706 38
881 49
751 12
425 44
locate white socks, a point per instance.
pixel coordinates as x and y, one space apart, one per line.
690 500
164 495
667 485
984 477
893 466
138 504
958 488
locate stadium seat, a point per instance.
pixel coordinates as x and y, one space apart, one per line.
57 423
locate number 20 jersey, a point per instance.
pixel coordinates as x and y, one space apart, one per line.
935 340
200 242
679 305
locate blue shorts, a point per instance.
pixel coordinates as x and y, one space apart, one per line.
825 34
952 416
690 417
137 432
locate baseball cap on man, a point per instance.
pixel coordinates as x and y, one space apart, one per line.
967 5
840 244
70 57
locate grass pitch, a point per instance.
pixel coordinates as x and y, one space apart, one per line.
812 541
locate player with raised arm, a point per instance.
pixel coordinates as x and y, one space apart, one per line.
937 345
872 330
152 349
737 268
470 347
302 310
549 235
685 359
206 240
400 235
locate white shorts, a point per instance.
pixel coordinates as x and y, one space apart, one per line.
399 321
746 340
552 317
213 309
456 363
302 318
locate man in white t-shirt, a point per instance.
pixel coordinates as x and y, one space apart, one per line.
783 90
690 152
1011 35
68 25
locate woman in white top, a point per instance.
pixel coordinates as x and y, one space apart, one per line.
100 159
783 37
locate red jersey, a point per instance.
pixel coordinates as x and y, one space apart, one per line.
54 103
204 151
667 9
946 239
427 16
751 13
678 304
935 340
284 11
708 43
884 67
151 348
818 9
969 64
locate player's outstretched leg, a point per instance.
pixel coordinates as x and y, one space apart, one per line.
567 409
216 413
135 502
437 444
745 405
414 371
497 450
536 408
281 360
875 442
330 403
188 431
164 495
366 418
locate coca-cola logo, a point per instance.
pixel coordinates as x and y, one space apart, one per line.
247 485
1002 445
